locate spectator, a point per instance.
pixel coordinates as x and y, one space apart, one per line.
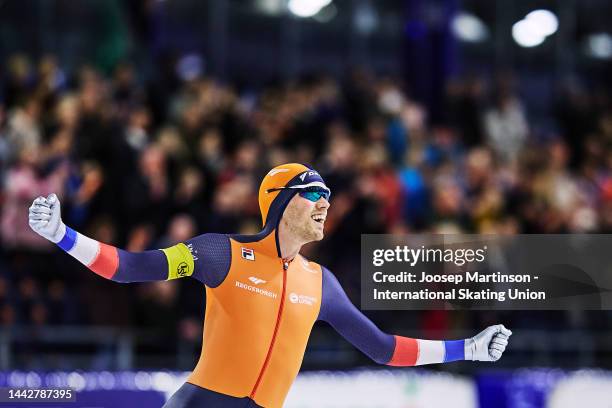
506 127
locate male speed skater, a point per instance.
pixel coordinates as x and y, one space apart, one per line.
262 296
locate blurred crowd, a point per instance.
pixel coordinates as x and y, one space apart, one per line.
144 164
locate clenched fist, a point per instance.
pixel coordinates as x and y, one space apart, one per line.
45 218
488 345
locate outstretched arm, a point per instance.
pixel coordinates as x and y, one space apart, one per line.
337 310
178 261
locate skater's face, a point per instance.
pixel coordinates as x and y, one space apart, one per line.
305 218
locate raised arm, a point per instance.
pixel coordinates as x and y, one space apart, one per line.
354 326
205 258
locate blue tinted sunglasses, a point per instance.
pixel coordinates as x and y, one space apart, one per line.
310 193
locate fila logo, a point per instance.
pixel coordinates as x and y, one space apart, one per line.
274 172
301 299
256 281
308 173
248 254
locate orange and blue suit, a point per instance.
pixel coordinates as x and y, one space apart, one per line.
260 308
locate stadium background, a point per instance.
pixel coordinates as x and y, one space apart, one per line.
154 121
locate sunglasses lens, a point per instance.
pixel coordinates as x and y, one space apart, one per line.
315 195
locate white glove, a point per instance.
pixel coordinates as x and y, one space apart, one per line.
488 345
45 218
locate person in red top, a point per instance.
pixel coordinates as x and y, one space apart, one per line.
262 296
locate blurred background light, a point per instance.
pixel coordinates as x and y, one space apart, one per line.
600 45
190 67
469 28
306 8
270 7
526 34
534 28
76 381
365 18
545 22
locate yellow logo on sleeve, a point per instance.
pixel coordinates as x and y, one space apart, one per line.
180 261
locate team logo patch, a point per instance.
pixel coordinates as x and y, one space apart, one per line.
256 281
182 269
248 254
302 299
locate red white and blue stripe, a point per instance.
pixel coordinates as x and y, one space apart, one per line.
100 258
413 352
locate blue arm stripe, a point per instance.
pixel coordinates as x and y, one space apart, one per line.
67 243
455 350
